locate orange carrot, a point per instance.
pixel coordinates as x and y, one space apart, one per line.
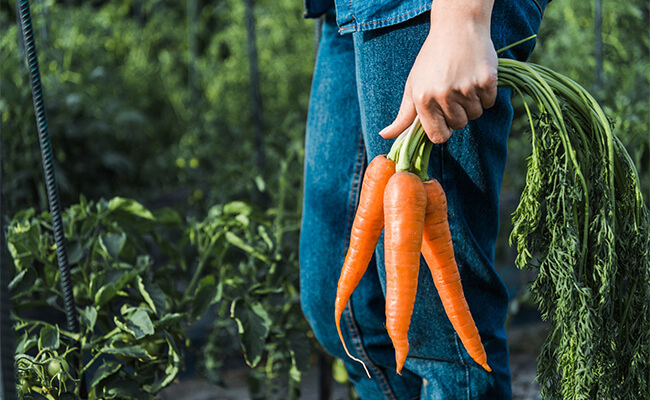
404 206
366 230
438 252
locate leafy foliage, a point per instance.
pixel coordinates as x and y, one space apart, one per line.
131 339
583 225
566 43
252 277
135 111
134 314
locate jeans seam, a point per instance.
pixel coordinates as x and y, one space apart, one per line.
354 26
351 12
539 7
351 325
466 367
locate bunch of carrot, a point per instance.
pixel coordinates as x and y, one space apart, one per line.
581 223
412 211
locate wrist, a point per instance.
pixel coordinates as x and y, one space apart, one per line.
474 12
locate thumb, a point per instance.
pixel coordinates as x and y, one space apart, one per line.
404 119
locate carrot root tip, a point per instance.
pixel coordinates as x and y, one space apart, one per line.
338 326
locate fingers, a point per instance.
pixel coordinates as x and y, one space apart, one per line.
433 122
445 110
487 91
405 116
442 112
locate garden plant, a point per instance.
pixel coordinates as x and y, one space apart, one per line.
180 218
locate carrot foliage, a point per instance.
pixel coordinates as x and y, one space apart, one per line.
582 224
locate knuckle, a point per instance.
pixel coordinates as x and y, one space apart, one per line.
487 77
458 125
475 113
438 94
421 98
440 137
466 88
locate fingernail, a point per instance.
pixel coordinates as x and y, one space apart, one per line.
383 131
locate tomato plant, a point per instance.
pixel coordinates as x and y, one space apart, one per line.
141 278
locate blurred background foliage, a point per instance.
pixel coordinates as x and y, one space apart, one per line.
154 100
151 99
141 106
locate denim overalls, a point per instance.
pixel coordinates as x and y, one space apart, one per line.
357 90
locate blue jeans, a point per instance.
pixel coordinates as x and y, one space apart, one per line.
357 90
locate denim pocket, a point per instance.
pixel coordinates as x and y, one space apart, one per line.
539 6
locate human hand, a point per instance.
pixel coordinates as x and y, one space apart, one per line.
454 76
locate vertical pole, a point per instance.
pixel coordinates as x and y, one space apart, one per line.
598 44
48 170
192 46
256 96
48 166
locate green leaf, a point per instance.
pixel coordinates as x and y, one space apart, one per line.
259 182
130 206
263 234
168 216
239 242
339 372
88 316
152 295
23 282
253 325
49 338
25 343
107 369
112 244
124 273
131 351
167 320
125 389
88 226
105 294
137 323
75 252
203 298
243 220
300 349
173 366
237 207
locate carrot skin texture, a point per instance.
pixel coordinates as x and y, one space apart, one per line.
366 230
404 207
438 252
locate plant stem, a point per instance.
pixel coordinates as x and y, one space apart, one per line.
200 266
42 392
411 151
517 43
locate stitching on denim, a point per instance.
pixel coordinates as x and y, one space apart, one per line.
351 12
354 26
539 6
353 329
460 355
361 352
